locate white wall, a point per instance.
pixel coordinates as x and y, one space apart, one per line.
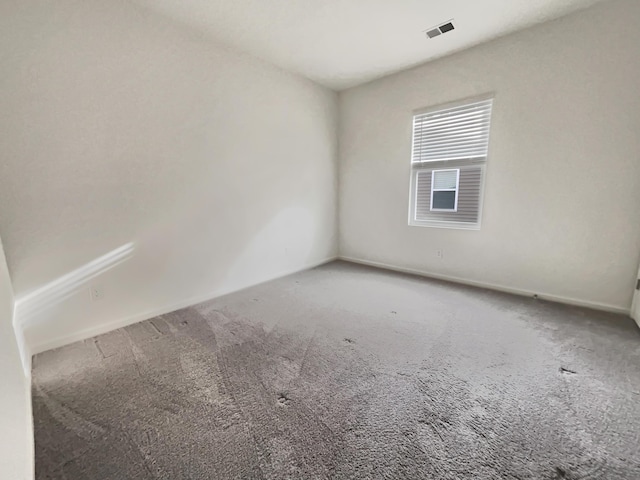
563 179
16 438
121 128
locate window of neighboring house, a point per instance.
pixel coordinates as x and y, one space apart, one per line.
448 163
444 190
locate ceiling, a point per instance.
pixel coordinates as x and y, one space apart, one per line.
342 43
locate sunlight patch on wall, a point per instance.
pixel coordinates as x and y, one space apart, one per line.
29 306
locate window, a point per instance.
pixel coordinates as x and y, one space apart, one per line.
448 162
444 190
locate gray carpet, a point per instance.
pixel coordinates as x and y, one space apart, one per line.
347 372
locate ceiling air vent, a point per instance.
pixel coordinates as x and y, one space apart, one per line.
440 29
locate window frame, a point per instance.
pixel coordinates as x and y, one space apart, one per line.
459 164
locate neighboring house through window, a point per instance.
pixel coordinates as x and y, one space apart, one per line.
448 160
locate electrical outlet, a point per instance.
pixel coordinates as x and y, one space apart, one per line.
440 254
96 293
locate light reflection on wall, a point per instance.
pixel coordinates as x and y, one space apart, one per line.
29 306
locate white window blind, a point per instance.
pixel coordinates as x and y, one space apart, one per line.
450 147
453 133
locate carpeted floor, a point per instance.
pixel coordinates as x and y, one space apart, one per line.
347 372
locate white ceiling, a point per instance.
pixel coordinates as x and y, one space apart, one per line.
342 43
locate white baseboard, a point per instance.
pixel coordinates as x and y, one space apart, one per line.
492 286
123 322
28 350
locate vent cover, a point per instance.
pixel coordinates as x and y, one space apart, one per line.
440 29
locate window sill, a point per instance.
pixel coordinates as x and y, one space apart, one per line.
450 225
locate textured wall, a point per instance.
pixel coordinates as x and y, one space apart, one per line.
562 191
121 129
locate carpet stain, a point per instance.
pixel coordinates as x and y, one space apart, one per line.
567 371
283 400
